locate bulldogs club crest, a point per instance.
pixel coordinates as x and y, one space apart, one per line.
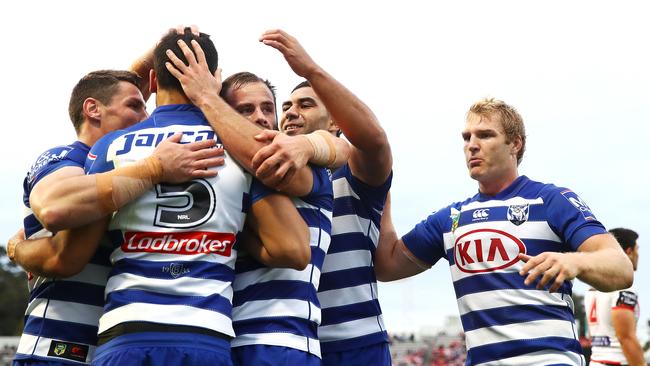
518 214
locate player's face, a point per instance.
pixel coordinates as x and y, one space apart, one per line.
255 102
488 157
304 113
126 108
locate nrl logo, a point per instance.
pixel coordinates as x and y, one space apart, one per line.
60 349
518 214
455 217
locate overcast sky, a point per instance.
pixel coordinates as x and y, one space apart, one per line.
578 72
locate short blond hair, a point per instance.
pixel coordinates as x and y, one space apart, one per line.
511 121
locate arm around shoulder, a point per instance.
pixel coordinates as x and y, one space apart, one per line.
62 255
57 198
283 234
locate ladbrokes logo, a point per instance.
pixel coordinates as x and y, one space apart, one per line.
486 250
195 242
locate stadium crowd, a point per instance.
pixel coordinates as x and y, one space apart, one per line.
442 350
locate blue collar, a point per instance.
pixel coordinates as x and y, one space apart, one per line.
176 108
510 191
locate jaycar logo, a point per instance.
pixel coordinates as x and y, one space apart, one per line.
188 243
486 250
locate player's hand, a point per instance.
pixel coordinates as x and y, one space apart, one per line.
144 63
276 163
13 241
184 162
181 29
553 268
297 58
198 83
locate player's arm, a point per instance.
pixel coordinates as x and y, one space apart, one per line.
278 236
287 154
62 255
625 328
599 262
393 260
141 67
604 265
236 132
371 159
67 198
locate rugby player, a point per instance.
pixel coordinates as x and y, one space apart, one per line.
513 249
276 314
351 330
61 318
612 316
168 299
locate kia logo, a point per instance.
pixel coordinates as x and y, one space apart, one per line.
486 250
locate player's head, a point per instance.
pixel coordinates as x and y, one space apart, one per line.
304 113
628 241
251 96
495 139
108 100
163 78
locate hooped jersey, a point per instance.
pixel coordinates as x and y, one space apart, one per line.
505 321
348 295
173 247
279 306
605 346
62 314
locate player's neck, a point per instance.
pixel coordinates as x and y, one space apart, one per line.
493 187
88 135
166 97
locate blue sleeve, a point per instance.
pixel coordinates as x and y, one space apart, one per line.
374 196
97 161
425 241
51 161
258 191
570 217
321 190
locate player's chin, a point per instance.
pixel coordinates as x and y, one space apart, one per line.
475 172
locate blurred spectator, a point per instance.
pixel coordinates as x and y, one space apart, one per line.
7 353
444 350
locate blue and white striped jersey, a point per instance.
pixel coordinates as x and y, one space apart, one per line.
173 255
348 287
279 306
62 315
505 321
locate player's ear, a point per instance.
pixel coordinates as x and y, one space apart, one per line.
153 79
333 128
91 109
516 145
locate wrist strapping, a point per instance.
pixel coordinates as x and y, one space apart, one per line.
324 148
122 185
